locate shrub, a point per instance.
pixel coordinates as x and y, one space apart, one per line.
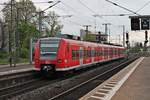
3 54
24 53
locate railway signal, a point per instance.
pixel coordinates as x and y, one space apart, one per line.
135 24
145 23
140 22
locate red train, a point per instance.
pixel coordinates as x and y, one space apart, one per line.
59 54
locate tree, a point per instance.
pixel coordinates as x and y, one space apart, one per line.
89 37
21 12
55 27
17 19
2 26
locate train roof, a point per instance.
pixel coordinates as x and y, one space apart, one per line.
81 42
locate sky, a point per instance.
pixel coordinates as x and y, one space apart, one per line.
82 12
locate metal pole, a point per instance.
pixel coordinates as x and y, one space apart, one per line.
86 29
109 36
123 35
40 23
31 47
10 44
106 29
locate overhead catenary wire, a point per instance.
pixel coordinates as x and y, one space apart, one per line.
87 7
122 7
90 18
77 12
143 6
73 15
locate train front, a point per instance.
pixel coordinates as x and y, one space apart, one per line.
46 55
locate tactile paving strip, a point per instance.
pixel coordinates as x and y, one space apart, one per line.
106 90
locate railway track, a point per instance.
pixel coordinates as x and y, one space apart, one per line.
16 78
9 92
61 88
79 90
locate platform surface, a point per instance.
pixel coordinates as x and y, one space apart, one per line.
137 86
4 69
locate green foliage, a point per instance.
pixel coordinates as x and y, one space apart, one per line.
20 22
26 31
24 53
89 37
55 27
3 54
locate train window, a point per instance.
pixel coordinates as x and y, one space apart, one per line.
86 53
99 53
95 53
80 54
92 53
89 53
77 54
73 54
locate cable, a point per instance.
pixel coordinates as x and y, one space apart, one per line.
122 7
75 23
69 7
143 6
87 7
75 11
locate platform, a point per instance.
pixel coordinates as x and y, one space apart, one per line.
137 87
131 83
6 69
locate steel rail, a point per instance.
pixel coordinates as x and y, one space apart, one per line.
84 83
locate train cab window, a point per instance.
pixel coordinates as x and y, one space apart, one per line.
48 48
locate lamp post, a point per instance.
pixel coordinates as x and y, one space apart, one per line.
123 34
41 15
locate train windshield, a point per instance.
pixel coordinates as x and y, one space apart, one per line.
48 48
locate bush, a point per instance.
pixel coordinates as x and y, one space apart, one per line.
24 53
3 54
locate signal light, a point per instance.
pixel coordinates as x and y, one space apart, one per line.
135 24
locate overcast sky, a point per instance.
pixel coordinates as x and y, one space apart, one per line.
83 15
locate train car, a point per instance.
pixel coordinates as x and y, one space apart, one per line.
58 54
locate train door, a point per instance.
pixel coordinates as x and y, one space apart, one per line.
92 54
67 54
81 55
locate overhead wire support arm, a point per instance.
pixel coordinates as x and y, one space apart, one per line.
51 6
123 7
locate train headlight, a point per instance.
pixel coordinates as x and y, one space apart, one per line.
66 60
59 61
36 61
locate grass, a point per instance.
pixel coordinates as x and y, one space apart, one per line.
20 60
3 61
